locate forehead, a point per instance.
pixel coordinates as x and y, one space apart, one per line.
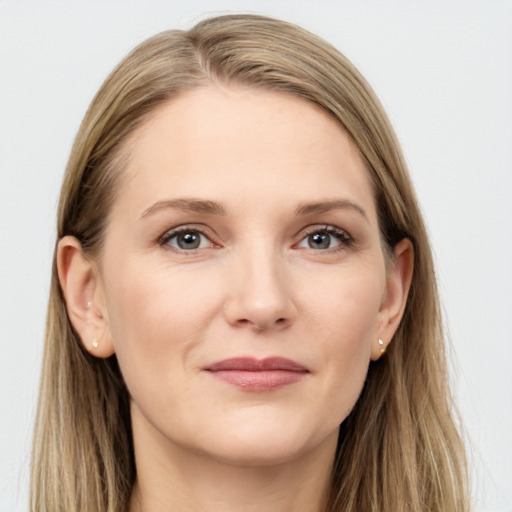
248 144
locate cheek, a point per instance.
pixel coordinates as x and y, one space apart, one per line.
156 317
348 307
348 318
147 302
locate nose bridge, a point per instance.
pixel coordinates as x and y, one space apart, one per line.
259 295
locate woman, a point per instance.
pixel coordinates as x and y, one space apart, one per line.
244 314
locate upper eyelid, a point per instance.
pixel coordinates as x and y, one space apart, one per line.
199 228
313 228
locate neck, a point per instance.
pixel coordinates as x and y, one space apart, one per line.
176 479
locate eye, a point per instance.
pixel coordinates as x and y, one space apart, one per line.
186 239
325 238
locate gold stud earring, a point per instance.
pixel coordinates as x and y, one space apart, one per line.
383 348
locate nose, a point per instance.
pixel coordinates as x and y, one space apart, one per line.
259 295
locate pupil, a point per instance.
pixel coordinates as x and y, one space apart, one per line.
319 241
189 241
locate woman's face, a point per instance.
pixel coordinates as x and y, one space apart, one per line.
243 282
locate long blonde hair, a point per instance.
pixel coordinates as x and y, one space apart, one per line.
399 449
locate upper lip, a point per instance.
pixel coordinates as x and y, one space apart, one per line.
251 364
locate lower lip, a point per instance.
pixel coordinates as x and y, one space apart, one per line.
264 380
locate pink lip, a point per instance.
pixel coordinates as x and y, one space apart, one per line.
252 374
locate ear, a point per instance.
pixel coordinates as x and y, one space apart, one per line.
83 292
399 279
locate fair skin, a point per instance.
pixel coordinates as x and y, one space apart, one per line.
277 254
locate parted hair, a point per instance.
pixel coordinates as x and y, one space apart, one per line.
399 449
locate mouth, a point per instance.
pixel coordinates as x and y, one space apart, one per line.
258 375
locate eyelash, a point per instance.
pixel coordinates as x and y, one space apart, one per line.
173 233
344 239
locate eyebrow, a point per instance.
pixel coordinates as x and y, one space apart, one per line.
325 206
214 208
189 205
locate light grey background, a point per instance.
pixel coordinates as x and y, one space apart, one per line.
443 71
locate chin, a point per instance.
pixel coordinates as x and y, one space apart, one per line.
265 447
262 455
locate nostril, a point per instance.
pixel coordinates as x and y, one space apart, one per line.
279 322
